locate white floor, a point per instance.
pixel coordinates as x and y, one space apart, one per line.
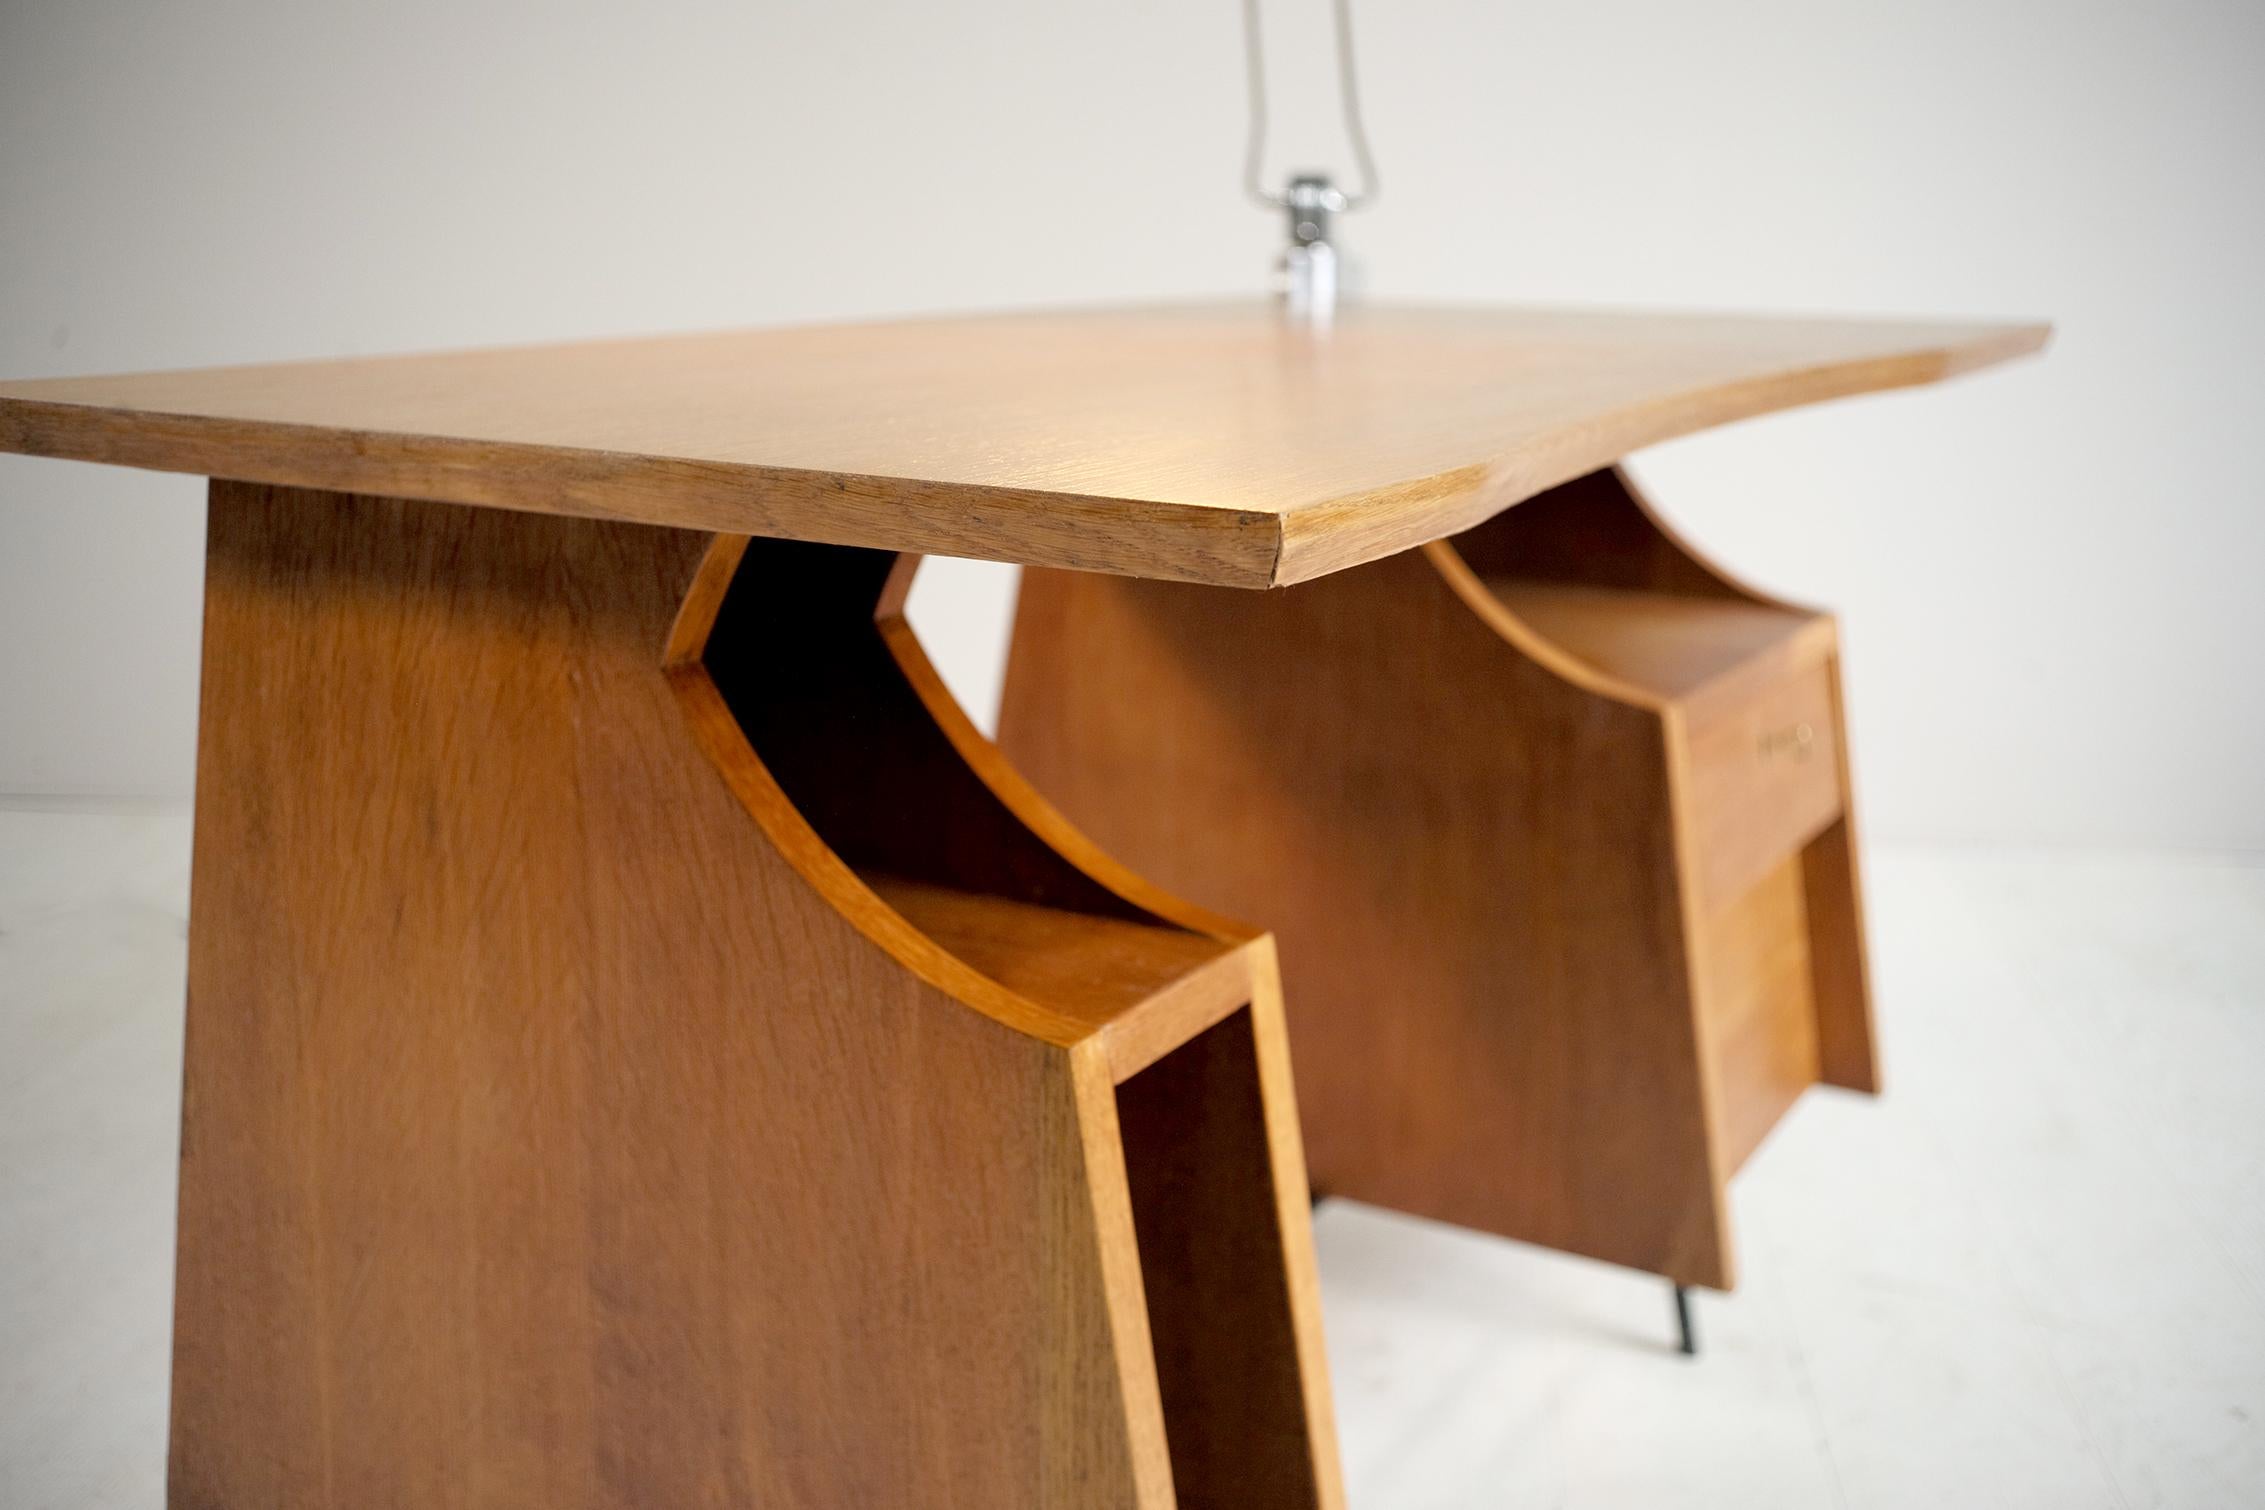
2033 1275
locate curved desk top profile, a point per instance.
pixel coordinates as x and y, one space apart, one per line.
1202 442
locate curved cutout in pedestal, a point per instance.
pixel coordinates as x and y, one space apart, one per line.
1592 583
817 704
832 706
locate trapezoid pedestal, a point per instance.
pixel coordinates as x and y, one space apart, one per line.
644 1049
1553 822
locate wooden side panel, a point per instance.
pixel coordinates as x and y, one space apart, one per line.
548 1139
1469 863
1847 1052
1224 1257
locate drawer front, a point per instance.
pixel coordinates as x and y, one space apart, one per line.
1764 779
1758 1010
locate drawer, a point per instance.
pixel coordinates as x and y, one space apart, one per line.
1764 779
1758 1010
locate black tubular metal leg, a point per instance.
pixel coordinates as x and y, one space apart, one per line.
1687 1341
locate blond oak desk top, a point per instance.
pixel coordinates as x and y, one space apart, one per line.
1206 442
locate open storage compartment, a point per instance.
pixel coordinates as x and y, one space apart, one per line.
858 734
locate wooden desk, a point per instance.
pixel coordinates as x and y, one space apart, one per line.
644 1047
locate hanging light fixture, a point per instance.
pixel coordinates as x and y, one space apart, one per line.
1307 270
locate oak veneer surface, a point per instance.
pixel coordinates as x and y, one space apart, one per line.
1552 821
859 734
1210 442
1668 645
1111 973
566 1123
512 1035
1486 989
1234 1307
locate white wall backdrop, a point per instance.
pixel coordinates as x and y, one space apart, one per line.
2046 574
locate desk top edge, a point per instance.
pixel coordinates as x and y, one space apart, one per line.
1207 443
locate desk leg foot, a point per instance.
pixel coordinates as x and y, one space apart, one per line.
1686 1340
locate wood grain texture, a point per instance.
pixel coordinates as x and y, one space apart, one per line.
1209 443
1227 1261
1664 646
962 849
1485 981
976 867
1561 929
566 1123
1142 988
